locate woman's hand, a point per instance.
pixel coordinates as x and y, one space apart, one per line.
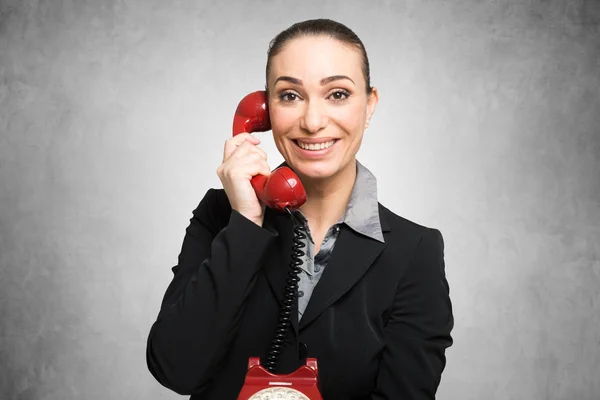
242 159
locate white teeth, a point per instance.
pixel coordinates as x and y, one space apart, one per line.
315 146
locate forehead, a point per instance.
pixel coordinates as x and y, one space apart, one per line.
313 58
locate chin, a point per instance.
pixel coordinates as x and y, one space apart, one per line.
316 170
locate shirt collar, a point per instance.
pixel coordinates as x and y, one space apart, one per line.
362 211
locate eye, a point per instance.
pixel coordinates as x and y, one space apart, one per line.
339 95
288 97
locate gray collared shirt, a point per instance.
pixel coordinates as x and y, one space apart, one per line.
361 215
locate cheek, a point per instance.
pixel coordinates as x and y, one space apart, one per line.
282 121
351 119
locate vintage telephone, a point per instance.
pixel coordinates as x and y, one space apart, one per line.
282 191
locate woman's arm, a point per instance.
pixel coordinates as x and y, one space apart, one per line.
202 306
418 331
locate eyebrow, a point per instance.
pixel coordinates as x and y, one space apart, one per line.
324 81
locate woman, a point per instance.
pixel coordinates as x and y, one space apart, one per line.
380 317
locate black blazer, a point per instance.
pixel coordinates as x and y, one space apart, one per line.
378 321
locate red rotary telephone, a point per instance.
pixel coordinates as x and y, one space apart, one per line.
281 190
260 384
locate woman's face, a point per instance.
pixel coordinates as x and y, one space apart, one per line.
318 104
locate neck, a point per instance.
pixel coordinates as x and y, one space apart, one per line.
327 199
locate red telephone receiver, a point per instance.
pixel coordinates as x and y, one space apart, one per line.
282 188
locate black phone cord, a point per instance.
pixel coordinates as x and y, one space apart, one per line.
290 298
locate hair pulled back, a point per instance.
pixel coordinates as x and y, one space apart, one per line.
320 27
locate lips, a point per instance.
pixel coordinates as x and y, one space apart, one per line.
315 146
312 144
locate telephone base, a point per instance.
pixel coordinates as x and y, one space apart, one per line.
301 384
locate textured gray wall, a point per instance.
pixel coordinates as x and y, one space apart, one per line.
112 119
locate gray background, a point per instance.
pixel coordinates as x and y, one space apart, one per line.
113 116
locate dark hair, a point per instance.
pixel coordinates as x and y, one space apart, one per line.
320 27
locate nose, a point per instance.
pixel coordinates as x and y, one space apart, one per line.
315 117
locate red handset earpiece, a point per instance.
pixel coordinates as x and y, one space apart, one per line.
282 189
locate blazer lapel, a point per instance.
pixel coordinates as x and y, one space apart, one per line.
352 256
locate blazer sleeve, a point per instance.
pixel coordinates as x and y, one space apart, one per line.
418 330
202 306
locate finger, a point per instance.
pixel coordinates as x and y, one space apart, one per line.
233 143
261 152
242 149
253 139
248 148
240 138
253 167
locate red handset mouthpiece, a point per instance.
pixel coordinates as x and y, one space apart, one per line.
282 188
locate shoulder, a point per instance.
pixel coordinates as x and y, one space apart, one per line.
422 247
395 221
401 228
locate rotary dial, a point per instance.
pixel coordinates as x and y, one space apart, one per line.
278 393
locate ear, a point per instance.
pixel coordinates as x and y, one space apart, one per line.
372 101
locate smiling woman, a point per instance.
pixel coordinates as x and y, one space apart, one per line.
372 301
316 100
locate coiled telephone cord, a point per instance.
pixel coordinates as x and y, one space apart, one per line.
290 296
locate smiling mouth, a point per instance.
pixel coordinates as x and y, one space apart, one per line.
315 146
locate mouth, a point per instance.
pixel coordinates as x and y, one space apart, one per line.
309 146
